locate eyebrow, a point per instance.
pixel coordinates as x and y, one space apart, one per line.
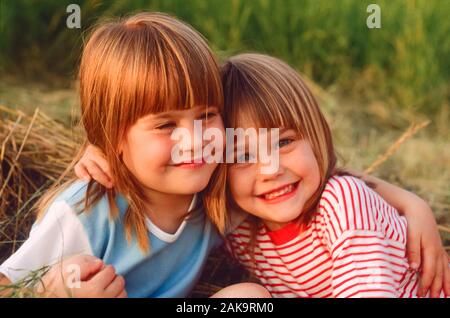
168 115
172 115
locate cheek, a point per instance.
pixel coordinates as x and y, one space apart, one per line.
240 184
146 151
304 164
310 170
232 180
157 151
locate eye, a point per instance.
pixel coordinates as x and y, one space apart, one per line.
208 115
246 158
284 142
169 125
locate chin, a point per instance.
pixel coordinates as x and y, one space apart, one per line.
277 217
191 188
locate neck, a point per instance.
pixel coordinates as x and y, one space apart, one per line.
273 226
167 211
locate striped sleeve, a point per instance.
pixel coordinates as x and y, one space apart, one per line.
366 264
366 238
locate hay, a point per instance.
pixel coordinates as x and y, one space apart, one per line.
35 151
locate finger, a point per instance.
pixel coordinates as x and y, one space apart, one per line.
436 285
104 277
101 161
82 265
116 287
81 172
96 172
123 294
413 251
446 268
84 290
92 265
428 272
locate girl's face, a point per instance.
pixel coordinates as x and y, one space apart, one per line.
280 197
147 149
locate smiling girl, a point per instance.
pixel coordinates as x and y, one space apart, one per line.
313 230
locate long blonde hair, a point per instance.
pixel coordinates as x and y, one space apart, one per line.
146 63
268 92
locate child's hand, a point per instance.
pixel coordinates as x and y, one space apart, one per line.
425 250
93 165
82 276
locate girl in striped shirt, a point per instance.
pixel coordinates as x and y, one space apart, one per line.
313 230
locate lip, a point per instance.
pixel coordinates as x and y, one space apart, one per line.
280 198
191 164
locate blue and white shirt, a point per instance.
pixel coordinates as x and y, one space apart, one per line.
170 269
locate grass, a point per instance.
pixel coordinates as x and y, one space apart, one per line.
405 63
25 288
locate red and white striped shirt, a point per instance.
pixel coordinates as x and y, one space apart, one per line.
353 247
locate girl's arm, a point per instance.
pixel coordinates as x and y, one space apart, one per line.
368 260
53 241
424 245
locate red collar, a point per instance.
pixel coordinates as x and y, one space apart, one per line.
286 234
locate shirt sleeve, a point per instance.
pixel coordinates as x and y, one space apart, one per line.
366 264
366 238
58 235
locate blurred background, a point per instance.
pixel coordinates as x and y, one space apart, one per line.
384 91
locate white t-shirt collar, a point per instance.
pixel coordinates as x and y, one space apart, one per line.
167 237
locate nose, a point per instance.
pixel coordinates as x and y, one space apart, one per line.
268 176
194 142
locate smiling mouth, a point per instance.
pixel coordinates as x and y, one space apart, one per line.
280 194
191 164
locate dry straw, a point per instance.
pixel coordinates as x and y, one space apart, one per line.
35 151
409 133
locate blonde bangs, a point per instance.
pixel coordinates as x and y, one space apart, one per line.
179 73
252 96
149 63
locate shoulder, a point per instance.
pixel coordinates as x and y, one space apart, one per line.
349 202
73 195
341 187
96 222
63 205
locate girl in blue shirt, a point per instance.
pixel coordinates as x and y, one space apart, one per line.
140 78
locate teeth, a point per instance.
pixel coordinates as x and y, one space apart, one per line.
278 193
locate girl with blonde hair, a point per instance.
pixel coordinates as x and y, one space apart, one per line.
313 230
